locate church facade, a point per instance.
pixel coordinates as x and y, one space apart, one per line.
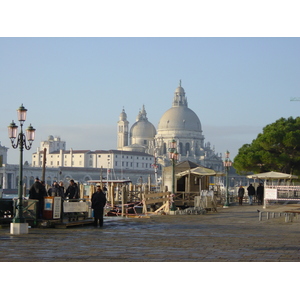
178 123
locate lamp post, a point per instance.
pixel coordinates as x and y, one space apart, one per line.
173 155
227 164
18 225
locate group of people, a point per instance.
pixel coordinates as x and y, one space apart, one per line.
251 193
38 192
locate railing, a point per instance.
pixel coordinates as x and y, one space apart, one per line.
276 194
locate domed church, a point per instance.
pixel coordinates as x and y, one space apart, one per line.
178 123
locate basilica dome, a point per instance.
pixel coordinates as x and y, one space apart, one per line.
179 118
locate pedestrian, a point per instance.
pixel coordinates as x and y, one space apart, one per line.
251 193
53 190
241 193
260 193
61 190
38 191
98 203
72 190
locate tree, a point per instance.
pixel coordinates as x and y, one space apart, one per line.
276 149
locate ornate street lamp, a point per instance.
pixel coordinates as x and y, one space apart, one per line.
173 155
19 226
227 164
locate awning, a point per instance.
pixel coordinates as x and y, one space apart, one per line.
199 171
272 175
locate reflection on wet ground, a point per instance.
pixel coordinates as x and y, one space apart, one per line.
233 234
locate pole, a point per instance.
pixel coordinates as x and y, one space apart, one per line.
227 192
19 213
44 165
173 207
227 165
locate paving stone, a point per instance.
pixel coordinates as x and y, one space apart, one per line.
233 234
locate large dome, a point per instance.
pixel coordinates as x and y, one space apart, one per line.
179 118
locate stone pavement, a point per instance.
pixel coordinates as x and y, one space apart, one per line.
230 235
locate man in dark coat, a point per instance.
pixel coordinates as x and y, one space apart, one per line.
260 193
38 191
251 193
72 190
98 203
241 193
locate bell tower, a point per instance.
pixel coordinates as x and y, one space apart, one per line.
123 132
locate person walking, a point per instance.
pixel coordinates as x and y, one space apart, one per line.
38 191
251 193
241 193
98 203
260 193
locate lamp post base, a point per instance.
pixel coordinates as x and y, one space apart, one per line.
18 228
225 206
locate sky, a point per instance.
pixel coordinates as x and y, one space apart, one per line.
75 82
76 88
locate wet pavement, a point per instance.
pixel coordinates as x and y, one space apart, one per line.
233 235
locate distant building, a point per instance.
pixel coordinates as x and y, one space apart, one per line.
3 155
142 150
109 159
178 123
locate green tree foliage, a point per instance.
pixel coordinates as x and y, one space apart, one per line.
276 149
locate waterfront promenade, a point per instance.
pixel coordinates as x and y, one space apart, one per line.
230 235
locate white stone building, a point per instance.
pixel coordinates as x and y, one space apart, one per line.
178 123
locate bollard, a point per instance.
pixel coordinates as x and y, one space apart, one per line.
267 215
288 217
260 216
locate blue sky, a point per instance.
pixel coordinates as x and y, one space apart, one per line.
76 88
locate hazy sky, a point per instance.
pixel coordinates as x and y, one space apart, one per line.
76 88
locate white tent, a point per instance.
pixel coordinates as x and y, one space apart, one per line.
199 171
272 175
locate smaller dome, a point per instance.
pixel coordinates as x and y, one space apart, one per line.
180 90
143 129
123 115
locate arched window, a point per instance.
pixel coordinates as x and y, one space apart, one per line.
187 148
180 148
165 149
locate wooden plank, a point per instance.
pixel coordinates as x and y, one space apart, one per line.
162 207
157 195
152 201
